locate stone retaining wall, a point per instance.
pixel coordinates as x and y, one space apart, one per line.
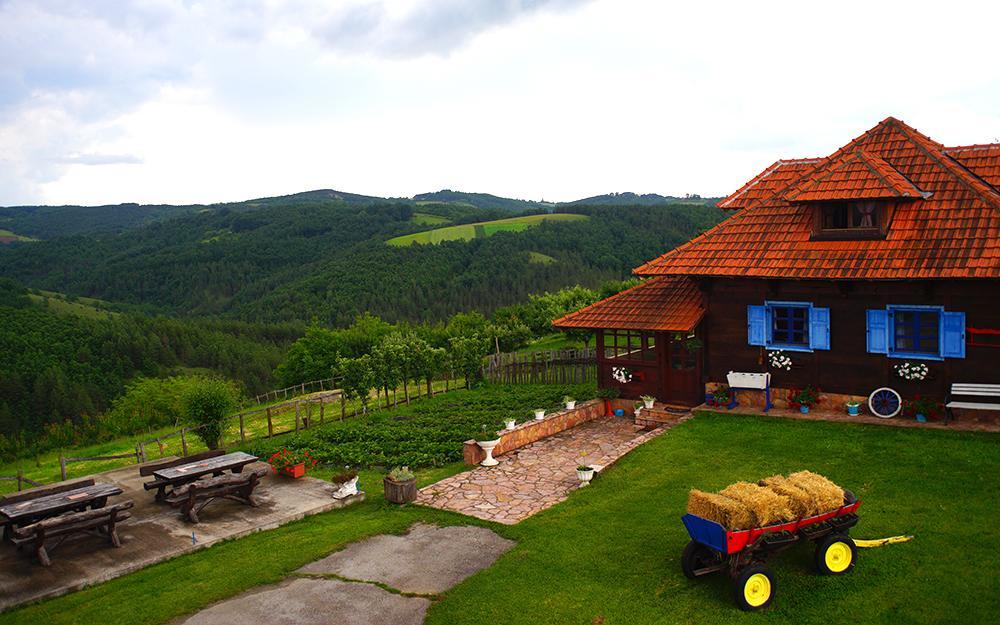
537 429
779 397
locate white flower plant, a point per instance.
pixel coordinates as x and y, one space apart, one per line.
912 371
779 360
621 375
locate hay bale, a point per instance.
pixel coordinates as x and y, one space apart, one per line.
729 513
825 494
799 501
766 506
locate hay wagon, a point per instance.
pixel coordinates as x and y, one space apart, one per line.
744 553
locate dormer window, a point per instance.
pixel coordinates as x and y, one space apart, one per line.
862 219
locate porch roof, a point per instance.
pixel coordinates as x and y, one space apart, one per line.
662 304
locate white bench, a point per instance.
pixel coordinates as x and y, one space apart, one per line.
988 391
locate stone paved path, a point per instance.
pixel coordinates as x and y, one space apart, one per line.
538 476
383 580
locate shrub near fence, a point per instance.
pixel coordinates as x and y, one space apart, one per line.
555 366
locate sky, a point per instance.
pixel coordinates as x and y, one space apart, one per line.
169 101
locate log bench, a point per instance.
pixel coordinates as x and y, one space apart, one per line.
41 491
49 533
193 497
160 484
981 392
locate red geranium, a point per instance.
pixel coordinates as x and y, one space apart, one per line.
284 459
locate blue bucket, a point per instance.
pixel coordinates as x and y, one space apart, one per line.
619 412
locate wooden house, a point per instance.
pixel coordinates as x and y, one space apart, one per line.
884 252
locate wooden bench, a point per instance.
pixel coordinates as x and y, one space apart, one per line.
193 497
982 391
41 491
99 521
160 485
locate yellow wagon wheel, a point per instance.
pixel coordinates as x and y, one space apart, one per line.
754 588
835 554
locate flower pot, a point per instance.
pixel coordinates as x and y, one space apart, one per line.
921 417
343 490
853 410
296 471
570 405
400 492
487 446
539 414
585 476
804 409
619 412
648 403
510 423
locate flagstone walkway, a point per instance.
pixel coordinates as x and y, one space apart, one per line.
538 476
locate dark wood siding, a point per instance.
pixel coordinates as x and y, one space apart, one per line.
847 367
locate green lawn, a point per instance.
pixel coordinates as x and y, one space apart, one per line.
467 232
427 219
7 234
554 341
610 553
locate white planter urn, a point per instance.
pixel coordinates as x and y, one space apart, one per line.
648 403
510 423
346 489
539 414
585 475
570 405
487 446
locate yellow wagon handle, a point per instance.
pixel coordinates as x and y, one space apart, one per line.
878 542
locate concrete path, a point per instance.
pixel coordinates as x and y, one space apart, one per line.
384 580
539 475
155 533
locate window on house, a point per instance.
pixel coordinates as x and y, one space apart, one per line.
849 220
629 345
796 326
920 332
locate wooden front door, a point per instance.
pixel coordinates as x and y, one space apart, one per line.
682 373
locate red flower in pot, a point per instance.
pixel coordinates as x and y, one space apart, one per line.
292 463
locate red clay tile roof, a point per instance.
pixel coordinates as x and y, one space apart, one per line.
667 304
767 182
982 160
954 232
856 175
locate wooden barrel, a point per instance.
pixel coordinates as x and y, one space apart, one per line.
400 492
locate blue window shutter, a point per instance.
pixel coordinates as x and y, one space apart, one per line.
819 328
878 331
953 335
757 325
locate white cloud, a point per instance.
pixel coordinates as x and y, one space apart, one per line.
225 101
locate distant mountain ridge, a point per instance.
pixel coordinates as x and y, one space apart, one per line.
47 222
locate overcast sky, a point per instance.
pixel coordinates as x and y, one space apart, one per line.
177 102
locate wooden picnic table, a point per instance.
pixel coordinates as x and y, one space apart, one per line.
32 510
184 473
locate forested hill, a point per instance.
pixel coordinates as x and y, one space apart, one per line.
328 261
645 199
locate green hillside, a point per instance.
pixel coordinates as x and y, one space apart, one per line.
467 232
6 236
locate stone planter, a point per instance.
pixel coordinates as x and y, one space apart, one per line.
400 492
539 414
487 446
585 475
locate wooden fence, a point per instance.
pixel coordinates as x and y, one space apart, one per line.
327 384
20 479
556 366
64 460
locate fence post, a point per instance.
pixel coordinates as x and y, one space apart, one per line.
184 443
20 477
62 467
322 406
297 404
243 434
343 407
270 425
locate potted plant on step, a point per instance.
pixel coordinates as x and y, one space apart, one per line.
345 484
720 397
853 407
539 414
292 463
607 394
570 402
585 473
510 424
647 401
804 399
923 408
487 441
400 485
